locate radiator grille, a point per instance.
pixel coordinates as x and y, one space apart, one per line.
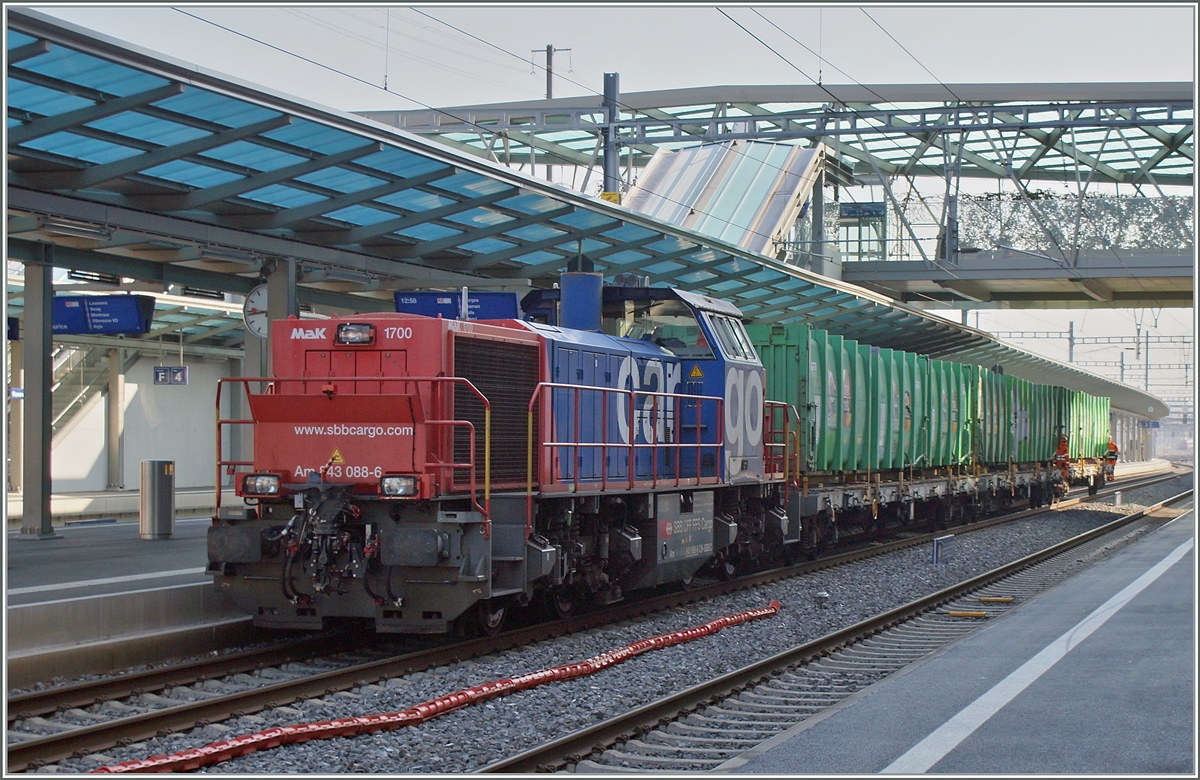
506 374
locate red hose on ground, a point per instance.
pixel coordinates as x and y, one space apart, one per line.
224 750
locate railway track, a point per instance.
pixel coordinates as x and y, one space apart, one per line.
708 727
52 724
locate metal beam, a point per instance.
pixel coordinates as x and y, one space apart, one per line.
59 122
97 174
207 195
172 228
148 344
469 235
359 234
1094 289
291 216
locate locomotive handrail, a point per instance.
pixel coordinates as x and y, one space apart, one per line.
271 389
632 446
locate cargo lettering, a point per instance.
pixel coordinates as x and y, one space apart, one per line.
370 431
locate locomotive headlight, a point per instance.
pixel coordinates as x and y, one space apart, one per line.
398 486
355 333
260 485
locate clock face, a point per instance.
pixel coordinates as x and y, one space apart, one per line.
254 311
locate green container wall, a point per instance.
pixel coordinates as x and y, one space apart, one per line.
895 372
939 405
839 437
904 365
963 412
862 406
878 390
1089 425
827 400
784 383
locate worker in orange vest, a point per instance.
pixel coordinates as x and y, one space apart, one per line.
1062 458
1110 457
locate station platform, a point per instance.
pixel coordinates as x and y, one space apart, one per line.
1095 676
116 505
101 599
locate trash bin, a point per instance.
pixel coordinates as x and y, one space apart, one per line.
156 508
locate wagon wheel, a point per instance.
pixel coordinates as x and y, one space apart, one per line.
492 614
726 570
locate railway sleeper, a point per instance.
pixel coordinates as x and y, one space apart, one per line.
704 731
720 715
669 737
651 749
661 762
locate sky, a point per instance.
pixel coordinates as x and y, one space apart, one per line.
455 54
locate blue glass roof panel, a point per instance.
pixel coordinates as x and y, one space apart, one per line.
360 215
479 217
67 65
400 163
315 137
537 258
88 149
626 257
529 203
41 100
185 172
629 233
471 184
486 245
254 156
534 233
340 180
219 109
284 197
415 200
660 268
148 128
428 232
18 39
583 220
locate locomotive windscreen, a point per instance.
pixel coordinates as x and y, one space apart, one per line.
506 374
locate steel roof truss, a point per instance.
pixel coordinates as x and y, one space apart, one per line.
98 174
466 237
53 124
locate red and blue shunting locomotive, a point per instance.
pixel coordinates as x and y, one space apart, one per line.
433 472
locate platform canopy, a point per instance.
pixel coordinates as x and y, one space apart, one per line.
124 161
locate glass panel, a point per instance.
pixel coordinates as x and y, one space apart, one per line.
671 325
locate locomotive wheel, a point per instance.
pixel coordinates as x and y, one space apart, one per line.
491 617
561 603
726 570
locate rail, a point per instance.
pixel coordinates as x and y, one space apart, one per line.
648 420
272 385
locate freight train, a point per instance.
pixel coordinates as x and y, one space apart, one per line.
433 473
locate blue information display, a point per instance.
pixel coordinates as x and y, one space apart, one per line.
84 314
480 305
1148 424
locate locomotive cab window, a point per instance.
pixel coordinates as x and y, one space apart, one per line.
734 341
671 325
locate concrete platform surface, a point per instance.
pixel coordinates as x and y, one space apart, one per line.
1093 676
92 560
